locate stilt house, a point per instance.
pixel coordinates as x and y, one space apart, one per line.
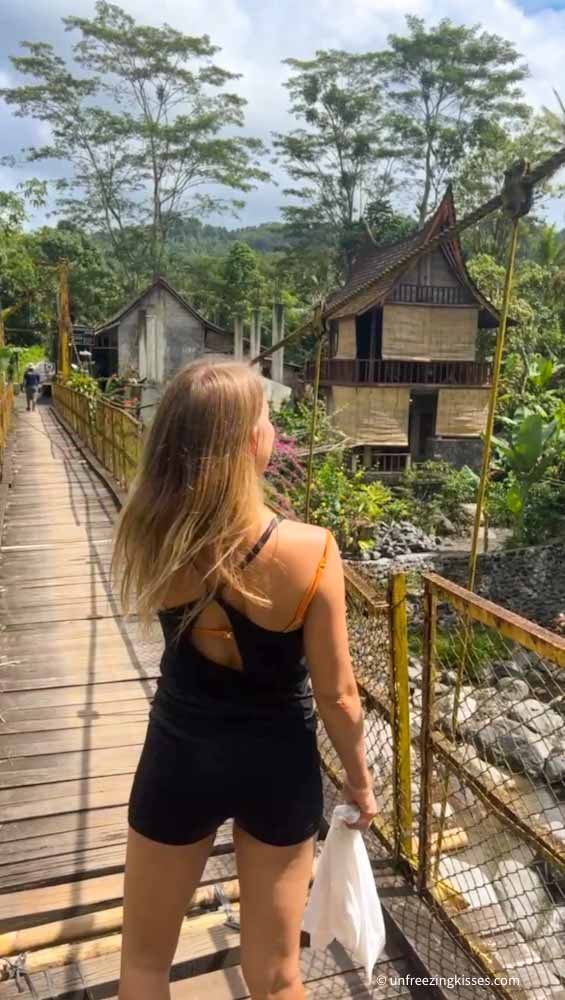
401 372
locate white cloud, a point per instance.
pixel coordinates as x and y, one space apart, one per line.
256 35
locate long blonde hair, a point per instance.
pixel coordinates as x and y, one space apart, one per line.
196 496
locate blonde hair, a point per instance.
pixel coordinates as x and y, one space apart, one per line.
196 496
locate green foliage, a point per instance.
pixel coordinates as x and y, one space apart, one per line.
479 179
432 489
83 383
14 360
345 503
294 420
242 281
532 446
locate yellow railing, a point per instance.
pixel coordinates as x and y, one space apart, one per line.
111 434
6 408
492 783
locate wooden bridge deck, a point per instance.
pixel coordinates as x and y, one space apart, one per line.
75 682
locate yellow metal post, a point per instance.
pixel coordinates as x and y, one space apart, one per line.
401 717
426 750
310 466
64 319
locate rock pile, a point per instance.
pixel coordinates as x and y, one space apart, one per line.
400 539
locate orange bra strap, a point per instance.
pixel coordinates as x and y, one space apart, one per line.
220 633
309 594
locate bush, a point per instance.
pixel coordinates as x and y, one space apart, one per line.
81 382
294 419
431 489
342 502
345 503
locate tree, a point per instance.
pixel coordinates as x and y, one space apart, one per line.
243 283
482 175
551 247
338 158
444 85
142 125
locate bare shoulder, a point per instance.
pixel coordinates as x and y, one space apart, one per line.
301 546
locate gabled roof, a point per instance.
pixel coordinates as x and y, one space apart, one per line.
159 282
376 269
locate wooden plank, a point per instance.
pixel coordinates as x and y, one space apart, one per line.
79 864
81 695
47 768
115 734
207 943
72 833
41 829
70 898
62 717
59 797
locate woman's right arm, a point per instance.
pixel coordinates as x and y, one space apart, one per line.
335 689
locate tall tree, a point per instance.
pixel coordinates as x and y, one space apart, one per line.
481 176
338 157
243 283
444 85
144 125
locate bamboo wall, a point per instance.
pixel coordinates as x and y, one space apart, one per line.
347 338
428 333
376 416
462 412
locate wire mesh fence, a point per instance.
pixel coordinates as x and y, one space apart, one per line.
491 856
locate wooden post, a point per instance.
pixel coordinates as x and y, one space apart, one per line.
401 717
426 749
64 319
277 358
238 338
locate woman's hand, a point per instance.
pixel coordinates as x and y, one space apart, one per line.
364 798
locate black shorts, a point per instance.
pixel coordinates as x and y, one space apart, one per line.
187 784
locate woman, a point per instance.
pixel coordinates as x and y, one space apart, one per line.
245 600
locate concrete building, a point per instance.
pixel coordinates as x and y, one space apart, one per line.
159 331
156 333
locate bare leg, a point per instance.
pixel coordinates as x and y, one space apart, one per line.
273 888
159 883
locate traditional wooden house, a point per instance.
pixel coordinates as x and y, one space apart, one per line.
401 372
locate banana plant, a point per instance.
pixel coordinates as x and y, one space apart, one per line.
528 453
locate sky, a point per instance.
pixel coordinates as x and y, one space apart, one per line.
255 36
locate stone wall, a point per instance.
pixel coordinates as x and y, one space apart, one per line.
529 581
457 451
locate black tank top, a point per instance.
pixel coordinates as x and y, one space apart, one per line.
271 687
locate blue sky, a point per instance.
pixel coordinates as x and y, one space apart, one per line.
256 35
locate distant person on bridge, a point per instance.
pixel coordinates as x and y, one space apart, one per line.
31 385
251 606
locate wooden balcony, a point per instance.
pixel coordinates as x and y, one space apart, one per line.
432 295
353 371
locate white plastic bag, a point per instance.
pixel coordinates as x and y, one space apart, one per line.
343 903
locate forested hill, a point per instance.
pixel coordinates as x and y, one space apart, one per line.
199 237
